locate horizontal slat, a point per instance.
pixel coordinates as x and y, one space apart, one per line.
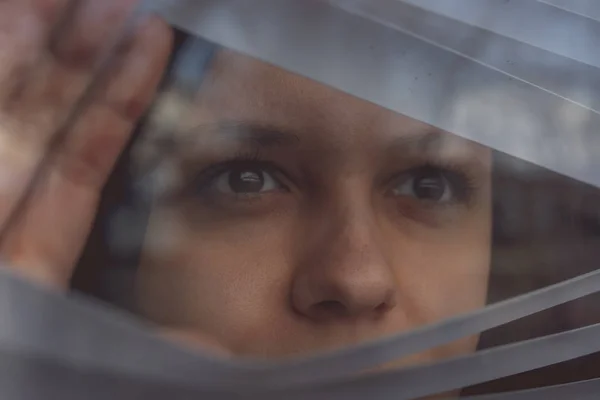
585 390
558 74
587 8
530 21
371 61
404 73
81 333
483 366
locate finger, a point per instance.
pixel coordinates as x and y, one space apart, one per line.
22 34
51 10
66 69
85 35
46 242
24 26
97 138
36 111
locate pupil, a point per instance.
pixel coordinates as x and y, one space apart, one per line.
246 181
429 186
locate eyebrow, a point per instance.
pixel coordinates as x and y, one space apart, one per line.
259 135
427 142
247 133
269 136
422 142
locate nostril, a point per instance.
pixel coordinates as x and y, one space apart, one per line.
330 307
383 307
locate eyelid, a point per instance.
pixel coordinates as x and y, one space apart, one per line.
447 197
207 176
464 184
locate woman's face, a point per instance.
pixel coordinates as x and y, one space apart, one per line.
304 219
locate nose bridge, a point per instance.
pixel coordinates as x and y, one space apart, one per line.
346 272
351 233
351 238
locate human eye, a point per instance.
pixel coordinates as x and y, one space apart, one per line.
237 181
245 180
433 185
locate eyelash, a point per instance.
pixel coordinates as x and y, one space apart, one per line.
202 181
462 182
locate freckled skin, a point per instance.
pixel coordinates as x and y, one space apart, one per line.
334 260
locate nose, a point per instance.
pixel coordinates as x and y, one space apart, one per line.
345 274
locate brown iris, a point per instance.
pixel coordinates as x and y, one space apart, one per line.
429 185
246 180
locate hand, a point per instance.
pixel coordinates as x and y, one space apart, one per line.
49 50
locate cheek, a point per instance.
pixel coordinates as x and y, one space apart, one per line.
444 281
237 275
232 280
444 273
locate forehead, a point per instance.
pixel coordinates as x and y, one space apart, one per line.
239 88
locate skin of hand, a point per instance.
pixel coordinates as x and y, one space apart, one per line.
49 50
